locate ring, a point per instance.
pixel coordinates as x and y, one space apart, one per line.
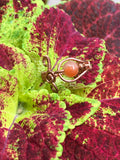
70 67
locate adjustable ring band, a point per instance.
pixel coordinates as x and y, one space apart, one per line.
81 64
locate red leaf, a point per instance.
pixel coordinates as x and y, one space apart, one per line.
9 57
106 90
82 111
3 8
8 85
107 118
98 18
111 68
36 137
86 142
19 5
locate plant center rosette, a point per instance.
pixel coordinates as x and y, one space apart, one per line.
35 122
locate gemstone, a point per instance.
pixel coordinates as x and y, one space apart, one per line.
71 69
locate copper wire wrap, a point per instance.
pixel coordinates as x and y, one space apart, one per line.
50 76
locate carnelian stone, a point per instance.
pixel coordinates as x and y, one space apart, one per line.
70 69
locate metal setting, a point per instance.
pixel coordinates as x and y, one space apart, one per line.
50 76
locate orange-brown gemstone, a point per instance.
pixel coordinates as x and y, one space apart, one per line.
70 69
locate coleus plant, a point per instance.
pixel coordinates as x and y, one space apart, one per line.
81 121
100 18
